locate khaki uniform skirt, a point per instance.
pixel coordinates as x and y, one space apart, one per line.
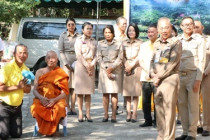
84 84
110 86
131 83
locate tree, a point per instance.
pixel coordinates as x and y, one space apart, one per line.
13 10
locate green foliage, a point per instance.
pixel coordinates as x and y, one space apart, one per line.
13 10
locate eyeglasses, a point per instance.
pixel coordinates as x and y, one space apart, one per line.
188 25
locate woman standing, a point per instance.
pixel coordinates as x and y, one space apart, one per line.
110 55
68 57
131 81
85 48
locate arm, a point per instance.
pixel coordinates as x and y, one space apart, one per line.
61 49
78 52
100 57
119 59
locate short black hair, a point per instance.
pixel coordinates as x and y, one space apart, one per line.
73 20
110 27
154 25
136 28
187 17
21 45
85 24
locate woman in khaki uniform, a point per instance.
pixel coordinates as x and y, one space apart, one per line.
85 48
110 55
131 81
68 57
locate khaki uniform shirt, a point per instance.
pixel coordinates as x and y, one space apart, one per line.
166 58
110 54
85 49
193 54
131 51
66 47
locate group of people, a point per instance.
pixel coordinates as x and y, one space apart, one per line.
171 67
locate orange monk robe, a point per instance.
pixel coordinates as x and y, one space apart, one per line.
50 86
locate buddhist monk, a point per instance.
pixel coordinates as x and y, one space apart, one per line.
50 90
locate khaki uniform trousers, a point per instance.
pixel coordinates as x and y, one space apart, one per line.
188 103
206 102
165 105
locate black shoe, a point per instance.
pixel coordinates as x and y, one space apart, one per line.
105 119
133 120
89 120
190 138
205 133
182 137
178 122
73 113
128 120
199 130
154 124
69 113
80 120
145 124
113 120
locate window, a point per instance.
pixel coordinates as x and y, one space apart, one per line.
43 30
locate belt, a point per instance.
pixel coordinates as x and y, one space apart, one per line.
89 59
185 73
71 52
5 104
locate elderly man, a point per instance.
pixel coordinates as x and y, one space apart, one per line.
191 72
205 82
120 29
164 73
145 56
50 90
12 88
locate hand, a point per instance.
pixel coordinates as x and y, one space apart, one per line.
27 89
44 101
156 81
69 67
110 76
196 86
51 102
207 70
22 83
90 69
128 69
109 70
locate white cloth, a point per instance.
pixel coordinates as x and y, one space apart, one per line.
1 45
145 57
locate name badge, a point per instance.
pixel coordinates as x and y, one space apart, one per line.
157 56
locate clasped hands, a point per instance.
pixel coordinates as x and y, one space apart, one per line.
109 73
47 102
90 69
128 69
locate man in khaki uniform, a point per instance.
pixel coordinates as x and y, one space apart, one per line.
164 73
205 82
191 71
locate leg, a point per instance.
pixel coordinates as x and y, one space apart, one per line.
73 99
16 123
4 121
67 102
87 105
106 105
135 105
147 92
128 106
80 105
114 97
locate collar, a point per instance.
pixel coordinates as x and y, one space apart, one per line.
193 36
84 37
16 66
129 41
75 34
113 41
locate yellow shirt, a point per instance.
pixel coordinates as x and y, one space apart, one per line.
10 75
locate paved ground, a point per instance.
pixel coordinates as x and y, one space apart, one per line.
121 130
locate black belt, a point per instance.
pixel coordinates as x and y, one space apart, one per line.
5 104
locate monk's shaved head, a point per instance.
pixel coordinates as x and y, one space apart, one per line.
51 53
